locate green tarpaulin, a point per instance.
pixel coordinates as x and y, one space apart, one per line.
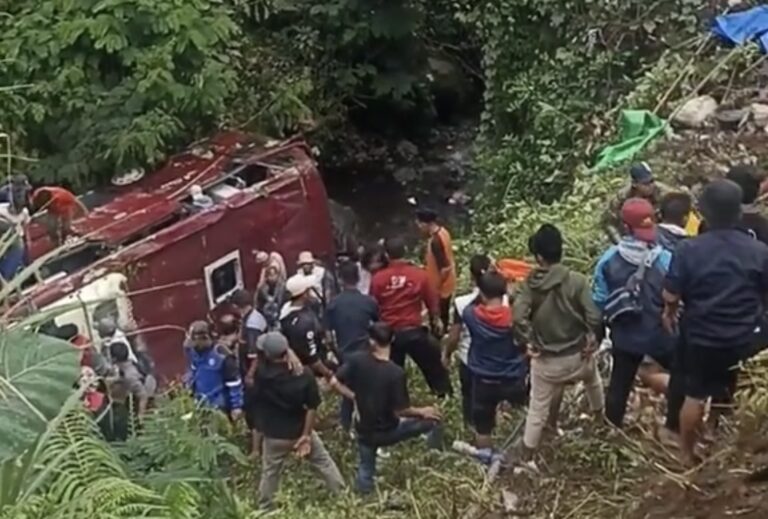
638 128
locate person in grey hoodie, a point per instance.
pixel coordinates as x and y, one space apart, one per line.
556 319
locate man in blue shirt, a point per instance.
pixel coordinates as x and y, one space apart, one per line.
349 317
636 328
213 374
721 279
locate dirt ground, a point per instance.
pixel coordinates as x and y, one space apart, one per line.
592 472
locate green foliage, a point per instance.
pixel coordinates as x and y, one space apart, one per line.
180 438
554 69
36 378
114 82
577 214
100 86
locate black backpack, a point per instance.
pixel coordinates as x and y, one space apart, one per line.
625 301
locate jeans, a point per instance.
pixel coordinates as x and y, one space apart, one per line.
419 344
274 454
407 428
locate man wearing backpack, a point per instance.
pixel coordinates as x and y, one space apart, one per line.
627 288
558 323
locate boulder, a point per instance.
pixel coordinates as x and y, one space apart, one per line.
406 175
731 119
695 112
759 114
407 150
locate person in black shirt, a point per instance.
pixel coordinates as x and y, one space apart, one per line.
719 279
378 388
751 220
286 405
348 317
301 326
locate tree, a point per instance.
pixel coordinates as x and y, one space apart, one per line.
114 82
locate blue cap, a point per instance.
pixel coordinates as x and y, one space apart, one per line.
641 173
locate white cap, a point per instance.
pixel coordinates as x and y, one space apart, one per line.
195 190
299 285
306 258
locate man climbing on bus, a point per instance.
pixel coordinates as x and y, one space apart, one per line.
61 207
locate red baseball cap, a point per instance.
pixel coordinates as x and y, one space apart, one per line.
638 215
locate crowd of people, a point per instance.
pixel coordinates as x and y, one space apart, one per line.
682 306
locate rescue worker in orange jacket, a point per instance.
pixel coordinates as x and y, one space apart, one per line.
439 260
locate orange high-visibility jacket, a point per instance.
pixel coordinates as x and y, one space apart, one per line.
445 288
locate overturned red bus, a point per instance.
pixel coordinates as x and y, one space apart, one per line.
151 259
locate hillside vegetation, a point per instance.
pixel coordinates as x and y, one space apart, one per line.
91 88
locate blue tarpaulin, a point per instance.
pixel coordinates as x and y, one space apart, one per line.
739 28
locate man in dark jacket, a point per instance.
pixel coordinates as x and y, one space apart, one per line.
558 322
627 288
213 374
348 317
674 211
286 405
721 278
497 364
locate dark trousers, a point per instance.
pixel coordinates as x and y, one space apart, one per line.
346 410
465 381
418 344
676 389
445 312
625 366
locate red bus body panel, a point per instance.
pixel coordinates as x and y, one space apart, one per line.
288 214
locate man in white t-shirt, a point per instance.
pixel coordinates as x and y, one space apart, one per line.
310 270
109 333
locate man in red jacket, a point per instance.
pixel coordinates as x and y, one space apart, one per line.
402 290
62 207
